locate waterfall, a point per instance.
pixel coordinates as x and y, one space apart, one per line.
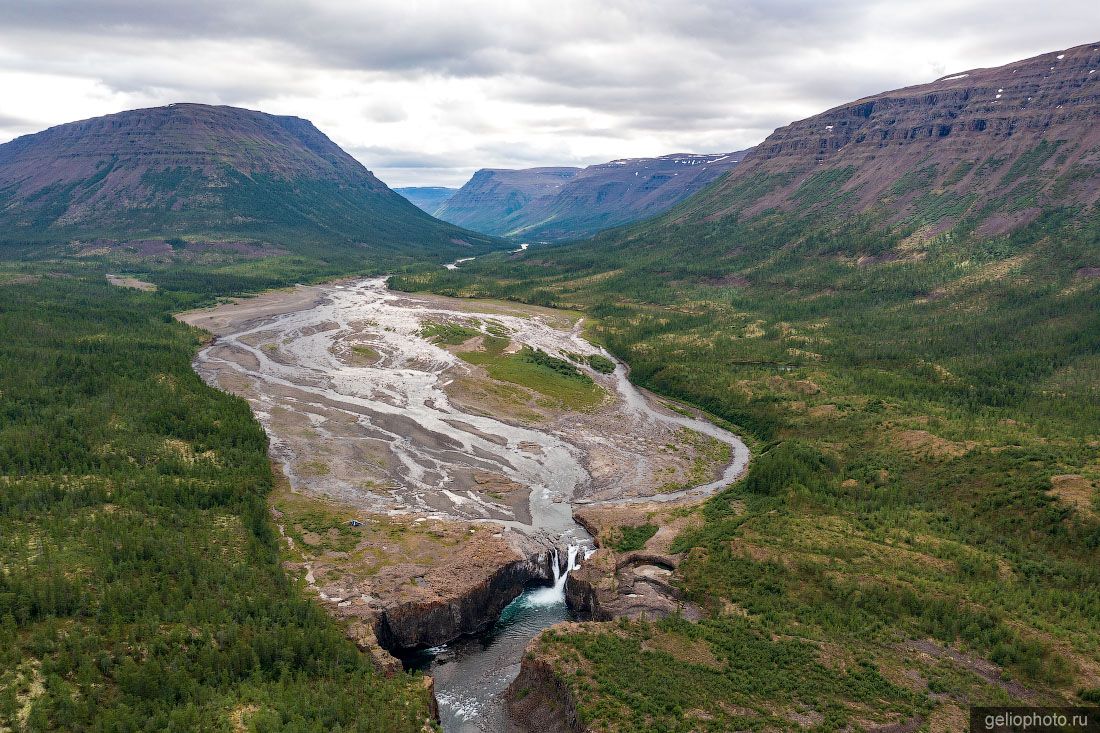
556 592
473 673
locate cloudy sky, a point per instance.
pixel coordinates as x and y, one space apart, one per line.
424 92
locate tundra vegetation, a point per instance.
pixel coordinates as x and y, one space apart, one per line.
558 383
634 537
923 496
140 584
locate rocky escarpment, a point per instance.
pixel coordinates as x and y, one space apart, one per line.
584 588
632 585
608 585
547 204
987 146
411 625
402 582
635 584
539 700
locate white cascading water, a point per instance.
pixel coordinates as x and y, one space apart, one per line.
471 674
556 592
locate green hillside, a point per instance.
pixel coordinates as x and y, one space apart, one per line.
927 468
919 530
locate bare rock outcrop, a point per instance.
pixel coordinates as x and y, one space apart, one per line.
634 584
538 700
469 610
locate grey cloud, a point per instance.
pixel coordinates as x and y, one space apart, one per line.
646 44
385 110
386 157
15 122
603 75
375 36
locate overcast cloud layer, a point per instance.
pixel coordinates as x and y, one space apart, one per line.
424 92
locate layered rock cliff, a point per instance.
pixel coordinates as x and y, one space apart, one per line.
467 610
609 585
540 700
986 147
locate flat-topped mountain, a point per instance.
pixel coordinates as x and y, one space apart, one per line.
494 198
567 203
201 172
428 198
989 148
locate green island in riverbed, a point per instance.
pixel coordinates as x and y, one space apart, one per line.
559 382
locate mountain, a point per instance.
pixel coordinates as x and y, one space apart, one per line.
987 148
428 198
570 203
209 174
494 197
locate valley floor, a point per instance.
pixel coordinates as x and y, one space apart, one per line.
918 530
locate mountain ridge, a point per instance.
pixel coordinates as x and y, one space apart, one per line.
557 203
993 145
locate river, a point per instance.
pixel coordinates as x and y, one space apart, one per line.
395 416
471 674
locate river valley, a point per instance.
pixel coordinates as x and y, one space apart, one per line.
435 450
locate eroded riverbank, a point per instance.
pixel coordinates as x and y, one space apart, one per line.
434 458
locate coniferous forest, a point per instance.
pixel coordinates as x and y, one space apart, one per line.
141 588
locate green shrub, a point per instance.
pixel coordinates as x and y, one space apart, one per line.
634 538
601 363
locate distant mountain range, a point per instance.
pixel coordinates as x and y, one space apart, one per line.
948 187
569 203
428 198
212 175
